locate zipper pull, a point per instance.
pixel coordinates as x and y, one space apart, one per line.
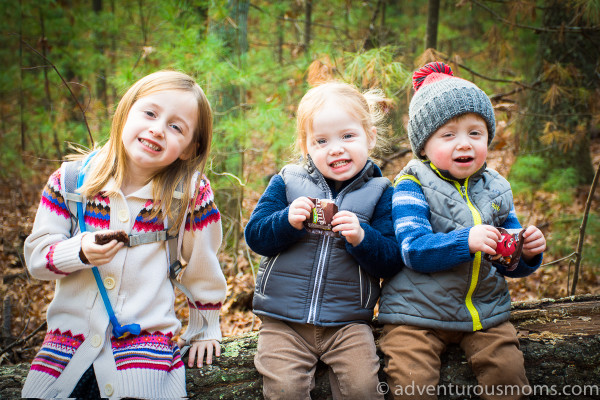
463 191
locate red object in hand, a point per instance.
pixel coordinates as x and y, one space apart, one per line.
507 245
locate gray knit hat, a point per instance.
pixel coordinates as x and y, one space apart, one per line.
439 97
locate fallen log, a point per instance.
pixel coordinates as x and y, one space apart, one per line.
559 339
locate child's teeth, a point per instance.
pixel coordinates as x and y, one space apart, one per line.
152 146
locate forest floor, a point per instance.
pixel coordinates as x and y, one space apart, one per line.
24 299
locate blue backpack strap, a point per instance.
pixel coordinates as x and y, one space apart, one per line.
119 331
71 170
74 178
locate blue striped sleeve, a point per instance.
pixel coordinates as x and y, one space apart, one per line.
423 250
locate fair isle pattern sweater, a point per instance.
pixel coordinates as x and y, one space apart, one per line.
79 333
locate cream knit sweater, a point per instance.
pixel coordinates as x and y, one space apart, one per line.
79 333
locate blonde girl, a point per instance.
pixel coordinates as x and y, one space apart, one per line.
315 293
159 140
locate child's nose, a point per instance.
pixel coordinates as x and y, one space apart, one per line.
157 129
464 143
336 148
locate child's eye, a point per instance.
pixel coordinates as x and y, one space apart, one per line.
320 141
475 133
347 136
176 127
150 113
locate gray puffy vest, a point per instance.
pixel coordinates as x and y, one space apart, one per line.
316 280
471 296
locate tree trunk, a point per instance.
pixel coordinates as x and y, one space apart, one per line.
307 26
559 340
280 37
48 100
372 39
433 12
101 75
23 128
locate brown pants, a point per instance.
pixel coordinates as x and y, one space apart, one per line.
288 353
412 360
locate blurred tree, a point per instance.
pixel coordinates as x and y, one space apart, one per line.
308 7
563 109
433 13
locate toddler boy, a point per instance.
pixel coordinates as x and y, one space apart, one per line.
446 207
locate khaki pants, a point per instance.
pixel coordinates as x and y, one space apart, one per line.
288 353
412 360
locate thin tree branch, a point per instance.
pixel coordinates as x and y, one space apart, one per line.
588 205
444 57
559 260
20 341
68 87
536 28
301 20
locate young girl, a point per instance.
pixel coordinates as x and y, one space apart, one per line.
315 293
160 138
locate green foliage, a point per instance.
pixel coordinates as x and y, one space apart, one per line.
565 234
563 182
529 174
378 68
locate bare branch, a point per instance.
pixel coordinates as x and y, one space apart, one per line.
68 87
578 29
447 59
24 340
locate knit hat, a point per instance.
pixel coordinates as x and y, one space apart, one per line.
439 97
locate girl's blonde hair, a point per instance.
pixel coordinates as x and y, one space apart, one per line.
365 107
110 161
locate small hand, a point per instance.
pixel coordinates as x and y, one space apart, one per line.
347 224
534 242
201 347
99 254
299 211
483 238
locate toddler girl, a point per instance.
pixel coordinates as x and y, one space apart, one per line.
315 293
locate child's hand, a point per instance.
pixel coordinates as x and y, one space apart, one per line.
201 347
347 224
534 242
299 211
97 254
483 238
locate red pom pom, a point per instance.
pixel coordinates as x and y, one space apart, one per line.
433 67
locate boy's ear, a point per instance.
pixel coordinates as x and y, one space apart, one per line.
189 152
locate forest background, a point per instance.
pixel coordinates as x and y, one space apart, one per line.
66 63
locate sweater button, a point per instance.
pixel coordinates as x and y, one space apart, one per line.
108 389
96 341
123 215
109 283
